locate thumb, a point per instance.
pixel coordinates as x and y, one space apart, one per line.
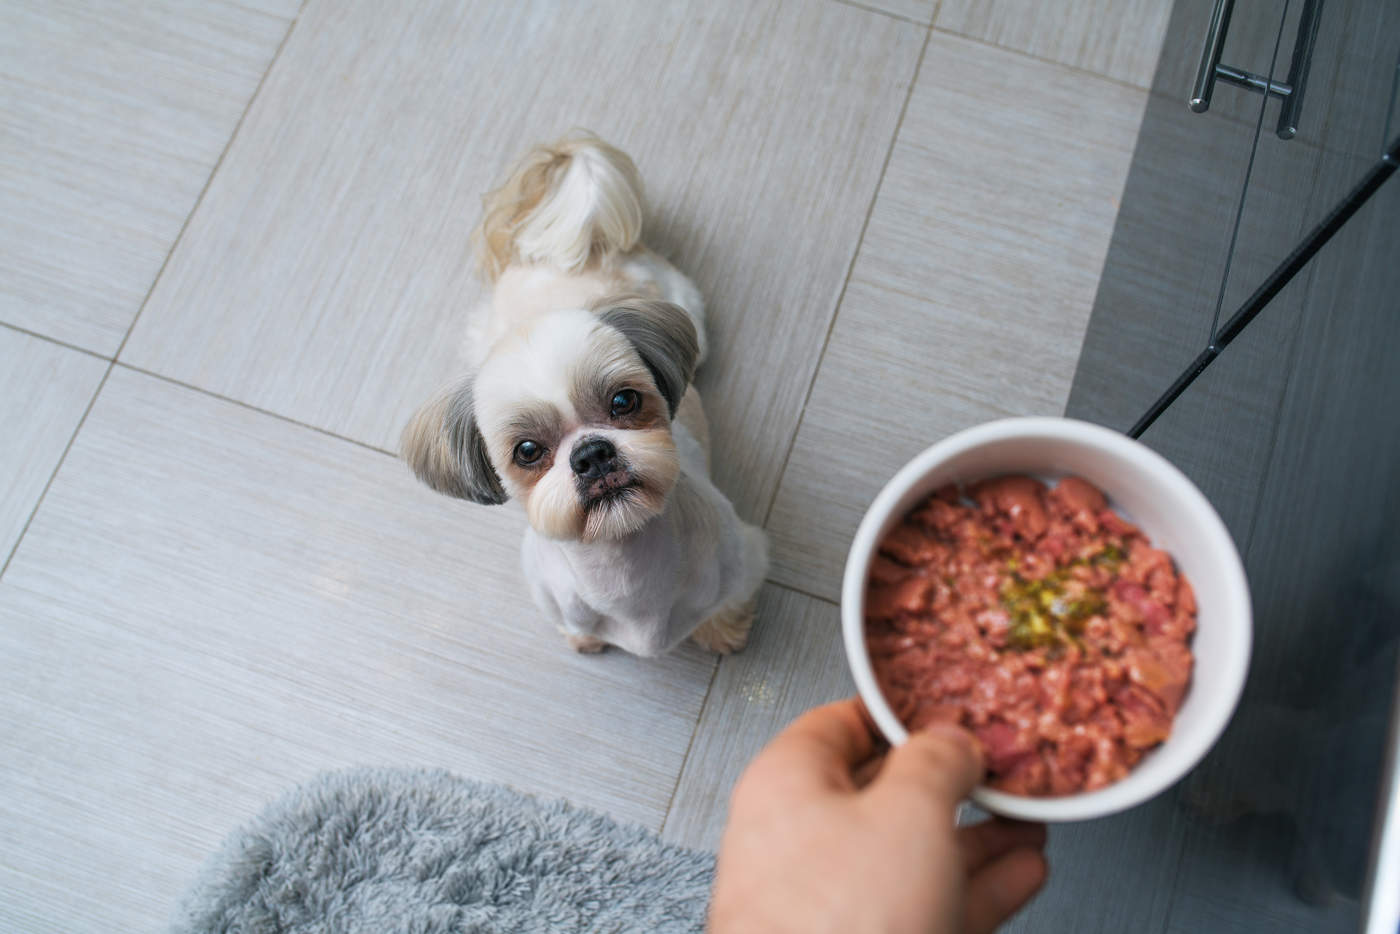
818 749
942 763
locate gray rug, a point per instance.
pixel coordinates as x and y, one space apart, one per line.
385 850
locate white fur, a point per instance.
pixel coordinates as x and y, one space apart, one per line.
533 361
656 572
648 592
523 293
599 198
594 209
534 367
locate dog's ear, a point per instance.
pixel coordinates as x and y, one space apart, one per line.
445 448
663 336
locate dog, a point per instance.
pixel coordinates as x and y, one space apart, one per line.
577 402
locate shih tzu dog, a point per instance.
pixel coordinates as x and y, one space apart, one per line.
577 402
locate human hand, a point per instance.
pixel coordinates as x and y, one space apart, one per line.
830 832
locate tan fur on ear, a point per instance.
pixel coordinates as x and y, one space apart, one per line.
443 447
543 214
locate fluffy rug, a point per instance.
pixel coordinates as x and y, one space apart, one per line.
383 850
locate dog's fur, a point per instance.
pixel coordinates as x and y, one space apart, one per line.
577 402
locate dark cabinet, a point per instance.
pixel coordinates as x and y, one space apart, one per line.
1293 432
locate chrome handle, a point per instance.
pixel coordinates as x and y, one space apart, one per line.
1290 91
1299 68
1252 82
1210 56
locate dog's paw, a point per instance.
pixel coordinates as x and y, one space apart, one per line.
586 645
727 631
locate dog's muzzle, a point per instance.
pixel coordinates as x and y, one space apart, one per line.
598 470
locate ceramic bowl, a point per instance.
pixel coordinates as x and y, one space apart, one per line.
1147 490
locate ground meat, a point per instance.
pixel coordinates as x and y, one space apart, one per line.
1040 620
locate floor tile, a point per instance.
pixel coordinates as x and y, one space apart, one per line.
920 11
1118 39
972 290
114 115
44 391
214 604
794 661
326 273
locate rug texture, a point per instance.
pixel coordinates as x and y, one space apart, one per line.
384 850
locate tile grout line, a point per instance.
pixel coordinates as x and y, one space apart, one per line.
253 408
879 12
259 11
1039 59
208 183
112 361
14 550
845 283
690 745
932 28
364 445
831 327
714 676
773 582
53 340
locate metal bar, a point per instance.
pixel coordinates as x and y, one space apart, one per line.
1187 377
1299 68
1210 56
1252 82
1280 277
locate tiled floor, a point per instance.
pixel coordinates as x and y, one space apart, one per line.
234 258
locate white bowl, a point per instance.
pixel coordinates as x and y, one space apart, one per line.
1146 489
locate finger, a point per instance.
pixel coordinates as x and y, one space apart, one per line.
825 744
984 842
1000 888
942 763
865 773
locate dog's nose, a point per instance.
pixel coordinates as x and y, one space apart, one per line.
593 458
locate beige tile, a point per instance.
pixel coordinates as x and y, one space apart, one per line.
1118 39
973 287
326 273
213 604
44 391
114 116
794 661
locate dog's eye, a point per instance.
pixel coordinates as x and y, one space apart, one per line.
625 402
527 452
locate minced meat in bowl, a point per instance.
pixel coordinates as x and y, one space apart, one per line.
1039 619
1049 605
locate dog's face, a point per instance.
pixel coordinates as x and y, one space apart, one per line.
571 416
